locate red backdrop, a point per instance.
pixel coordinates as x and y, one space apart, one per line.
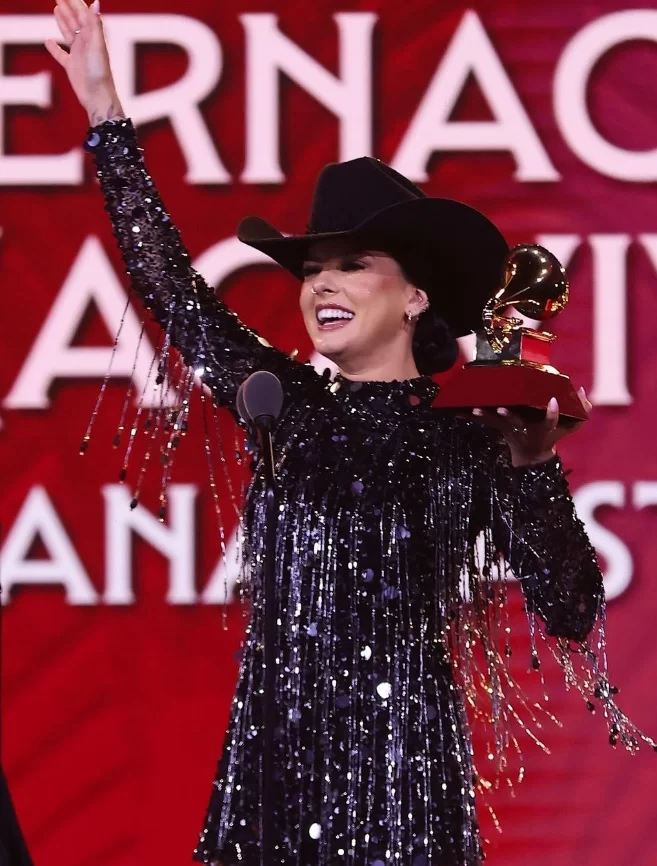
114 707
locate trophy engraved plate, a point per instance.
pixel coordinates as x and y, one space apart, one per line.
512 363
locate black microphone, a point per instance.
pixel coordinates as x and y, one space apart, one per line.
259 403
260 398
241 408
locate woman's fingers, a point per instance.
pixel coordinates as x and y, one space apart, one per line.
78 10
510 424
586 403
95 25
514 423
64 25
552 414
517 424
66 20
490 418
57 52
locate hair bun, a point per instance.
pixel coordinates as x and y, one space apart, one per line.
435 348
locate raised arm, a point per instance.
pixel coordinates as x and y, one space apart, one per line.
207 333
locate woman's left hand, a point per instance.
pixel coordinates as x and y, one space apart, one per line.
530 442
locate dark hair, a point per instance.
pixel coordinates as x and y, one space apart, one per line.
434 346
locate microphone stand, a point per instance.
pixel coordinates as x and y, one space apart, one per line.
259 401
264 425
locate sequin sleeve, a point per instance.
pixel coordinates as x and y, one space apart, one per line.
552 554
535 526
208 335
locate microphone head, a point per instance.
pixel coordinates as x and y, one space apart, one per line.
241 408
261 394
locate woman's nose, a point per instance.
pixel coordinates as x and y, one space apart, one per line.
323 285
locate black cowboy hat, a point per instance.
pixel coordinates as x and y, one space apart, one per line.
448 249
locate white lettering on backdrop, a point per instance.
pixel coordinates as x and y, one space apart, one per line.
471 53
35 90
92 278
173 539
349 96
609 279
178 101
571 94
617 555
38 518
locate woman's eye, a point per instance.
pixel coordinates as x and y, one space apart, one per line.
310 271
352 266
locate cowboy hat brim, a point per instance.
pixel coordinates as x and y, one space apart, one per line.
447 248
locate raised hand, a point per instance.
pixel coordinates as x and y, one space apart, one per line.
530 442
86 61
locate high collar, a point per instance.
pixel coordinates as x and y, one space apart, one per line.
397 395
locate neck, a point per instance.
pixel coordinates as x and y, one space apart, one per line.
379 369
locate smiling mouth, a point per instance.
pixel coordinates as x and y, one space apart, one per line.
332 318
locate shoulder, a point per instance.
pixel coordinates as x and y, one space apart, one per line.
304 375
301 382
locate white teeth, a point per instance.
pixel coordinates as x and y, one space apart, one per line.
329 314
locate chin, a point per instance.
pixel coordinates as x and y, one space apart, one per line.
334 346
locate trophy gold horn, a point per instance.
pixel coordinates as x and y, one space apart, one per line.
535 285
512 366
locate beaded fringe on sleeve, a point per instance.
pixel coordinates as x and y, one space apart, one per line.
204 351
523 526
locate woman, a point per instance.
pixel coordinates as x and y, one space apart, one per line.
383 499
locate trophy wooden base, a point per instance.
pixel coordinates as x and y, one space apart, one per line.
522 388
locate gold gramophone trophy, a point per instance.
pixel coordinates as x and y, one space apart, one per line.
512 365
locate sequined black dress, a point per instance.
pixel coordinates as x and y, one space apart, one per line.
385 594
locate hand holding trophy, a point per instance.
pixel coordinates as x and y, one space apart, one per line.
512 364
